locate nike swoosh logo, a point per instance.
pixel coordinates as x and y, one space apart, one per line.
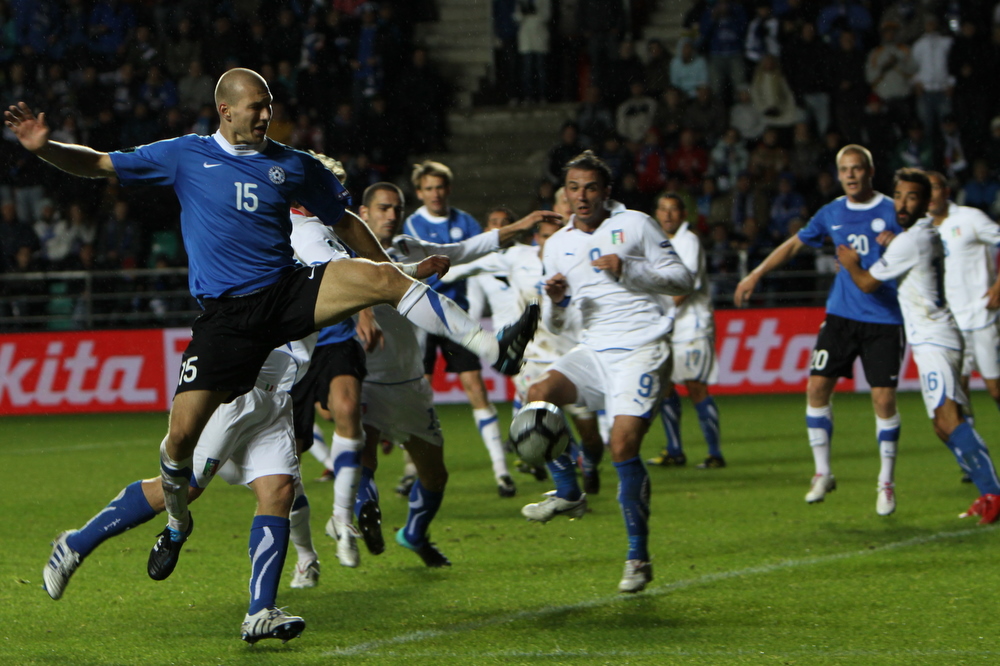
209 166
893 378
570 254
836 226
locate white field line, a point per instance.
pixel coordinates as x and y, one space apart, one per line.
31 451
416 636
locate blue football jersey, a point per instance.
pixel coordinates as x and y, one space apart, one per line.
234 205
857 225
458 226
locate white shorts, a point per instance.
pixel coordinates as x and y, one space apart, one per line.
621 382
982 352
694 361
938 368
401 410
530 373
246 439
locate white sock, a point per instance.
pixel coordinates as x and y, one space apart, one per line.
887 432
604 423
300 533
440 315
819 423
346 455
175 477
319 449
409 469
489 430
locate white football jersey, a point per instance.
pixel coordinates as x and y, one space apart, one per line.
624 312
970 245
693 318
407 249
399 359
915 259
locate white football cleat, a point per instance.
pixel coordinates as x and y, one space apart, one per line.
885 505
271 623
821 485
62 563
346 535
637 574
553 506
306 576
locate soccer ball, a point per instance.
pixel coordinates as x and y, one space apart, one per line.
538 433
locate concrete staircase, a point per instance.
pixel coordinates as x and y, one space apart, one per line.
460 44
665 22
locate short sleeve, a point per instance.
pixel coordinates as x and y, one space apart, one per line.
321 192
897 260
152 164
814 232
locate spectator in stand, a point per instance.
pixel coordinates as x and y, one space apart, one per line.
142 51
728 159
56 237
284 39
120 239
772 96
91 96
617 158
594 118
568 52
287 80
569 146
159 94
59 93
204 124
222 45
909 15
670 115
343 134
742 203
140 128
803 156
826 190
981 191
532 18
845 16
722 260
932 83
880 135
807 62
745 116
82 226
689 161
635 115
124 89
28 296
628 193
182 49
762 34
969 62
14 234
505 50
688 70
424 100
707 116
307 135
602 24
316 89
768 160
171 124
786 207
851 87
992 150
384 138
69 130
832 143
651 165
953 154
195 89
723 28
657 70
110 23
74 38
545 195
708 194
624 70
915 150
889 70
366 58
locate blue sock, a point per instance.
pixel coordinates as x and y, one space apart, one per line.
424 505
268 545
367 490
574 450
970 449
563 471
670 415
122 513
708 419
633 496
590 459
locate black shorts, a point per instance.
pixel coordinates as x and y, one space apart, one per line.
231 339
842 340
456 357
328 361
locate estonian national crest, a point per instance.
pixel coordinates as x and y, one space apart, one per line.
276 174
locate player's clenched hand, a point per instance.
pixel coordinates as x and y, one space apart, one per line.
609 262
885 238
30 130
435 264
993 297
741 298
847 256
368 331
555 287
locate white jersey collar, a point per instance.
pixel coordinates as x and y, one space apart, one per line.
613 207
239 150
430 217
868 205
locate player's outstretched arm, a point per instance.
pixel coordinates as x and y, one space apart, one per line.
33 133
778 256
526 225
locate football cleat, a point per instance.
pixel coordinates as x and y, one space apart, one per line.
514 338
306 576
346 535
427 551
405 485
505 486
538 471
820 486
592 482
712 462
668 460
271 623
370 526
885 505
166 551
550 507
62 563
636 576
987 507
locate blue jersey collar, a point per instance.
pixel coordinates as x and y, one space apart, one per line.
240 150
868 205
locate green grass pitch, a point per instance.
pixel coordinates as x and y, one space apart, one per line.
746 571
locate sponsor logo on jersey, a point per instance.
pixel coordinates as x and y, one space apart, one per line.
276 174
878 225
211 467
617 237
